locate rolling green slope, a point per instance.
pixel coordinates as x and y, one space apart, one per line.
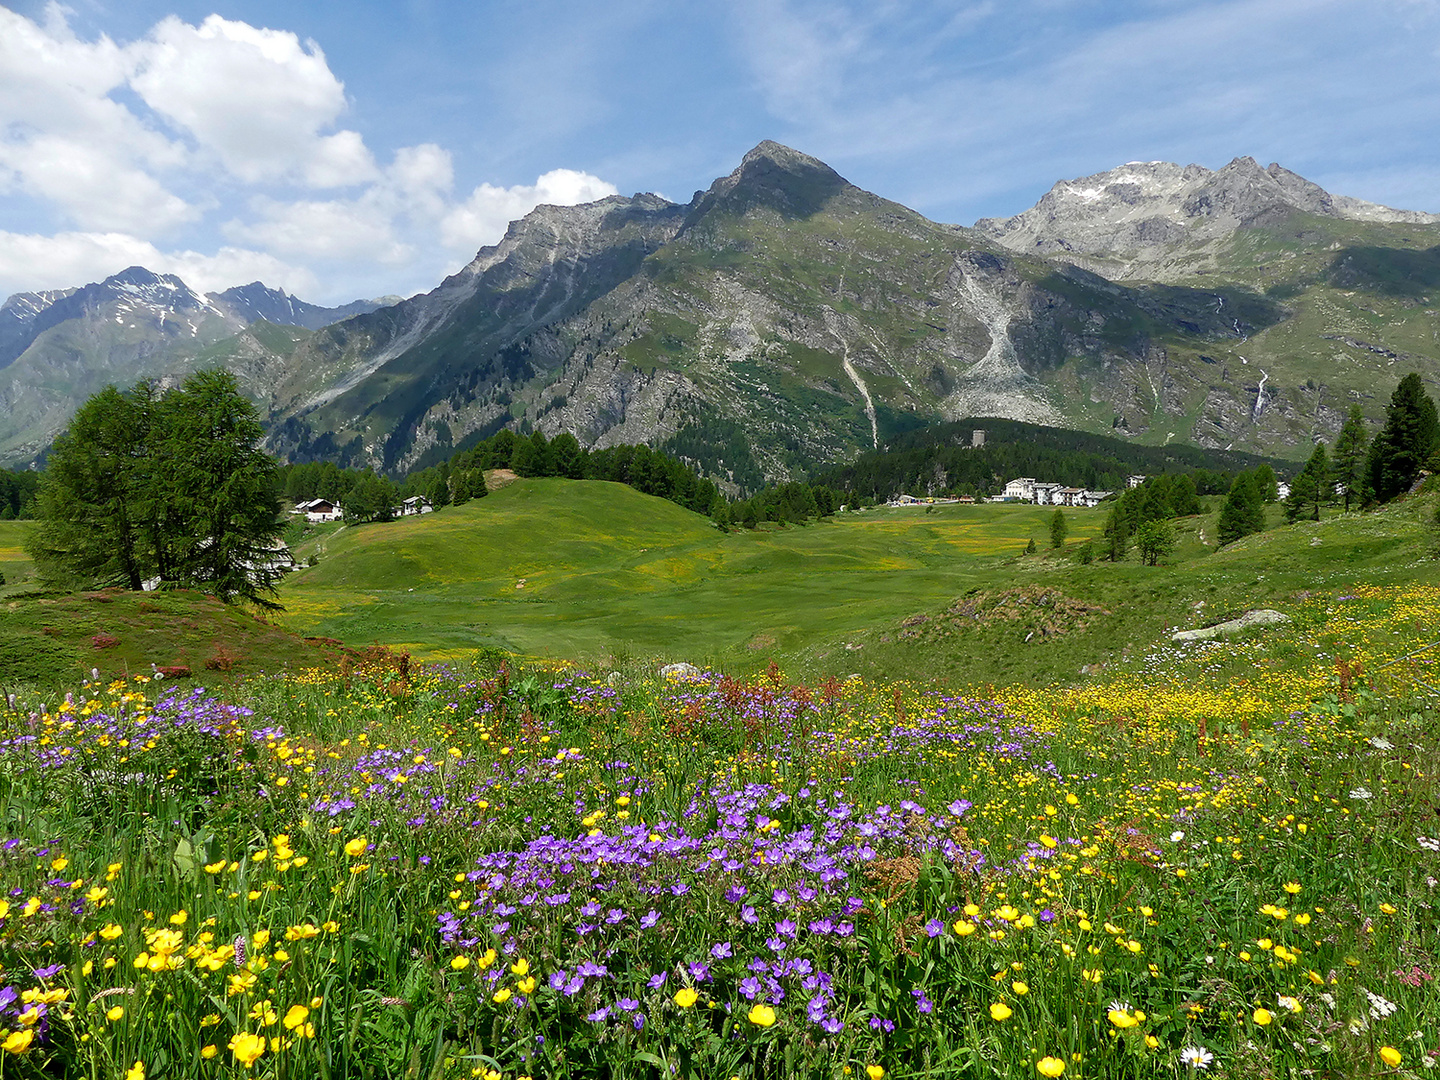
591 569
599 573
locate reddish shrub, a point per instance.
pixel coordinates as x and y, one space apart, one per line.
174 671
221 661
104 641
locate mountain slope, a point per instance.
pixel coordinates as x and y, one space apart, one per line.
256 301
1152 219
57 348
782 319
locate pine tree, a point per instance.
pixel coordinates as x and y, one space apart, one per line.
1348 462
1406 442
215 488
1059 529
1312 487
1244 510
1266 481
91 530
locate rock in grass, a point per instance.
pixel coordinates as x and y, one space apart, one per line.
680 671
1261 617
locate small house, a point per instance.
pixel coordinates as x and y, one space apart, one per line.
320 510
415 504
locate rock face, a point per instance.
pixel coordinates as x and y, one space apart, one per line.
1140 212
1259 617
257 301
782 319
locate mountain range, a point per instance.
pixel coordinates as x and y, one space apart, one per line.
59 347
785 319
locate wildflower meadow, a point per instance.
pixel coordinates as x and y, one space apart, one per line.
1217 858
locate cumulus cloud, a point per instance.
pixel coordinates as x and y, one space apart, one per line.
63 140
257 98
145 151
31 262
482 218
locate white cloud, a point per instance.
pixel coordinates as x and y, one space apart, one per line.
483 217
65 141
257 98
322 229
30 262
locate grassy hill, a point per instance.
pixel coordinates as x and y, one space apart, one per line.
593 569
598 572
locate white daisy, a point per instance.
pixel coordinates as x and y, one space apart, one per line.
1197 1057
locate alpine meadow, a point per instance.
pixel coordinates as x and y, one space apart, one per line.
771 635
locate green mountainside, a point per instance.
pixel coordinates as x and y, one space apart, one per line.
785 319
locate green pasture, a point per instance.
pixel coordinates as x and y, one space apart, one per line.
592 569
600 573
15 564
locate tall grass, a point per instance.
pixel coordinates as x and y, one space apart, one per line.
1222 859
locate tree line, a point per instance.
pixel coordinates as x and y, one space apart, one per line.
18 490
1357 472
940 460
153 487
367 496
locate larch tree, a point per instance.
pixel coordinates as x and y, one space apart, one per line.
1347 463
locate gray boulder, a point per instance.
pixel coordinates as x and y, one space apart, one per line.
1261 617
680 671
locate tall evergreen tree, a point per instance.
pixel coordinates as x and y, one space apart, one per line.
1059 529
214 488
1406 442
1348 462
1267 482
1244 509
91 529
145 486
1312 487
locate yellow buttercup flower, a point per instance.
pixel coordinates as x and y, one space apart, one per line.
355 848
762 1015
246 1047
17 1042
1390 1056
1000 1011
686 997
1050 1066
1262 1017
875 1072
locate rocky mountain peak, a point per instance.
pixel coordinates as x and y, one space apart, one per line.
1144 208
257 300
771 176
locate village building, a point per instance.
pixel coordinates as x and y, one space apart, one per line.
319 510
415 504
1045 493
1022 489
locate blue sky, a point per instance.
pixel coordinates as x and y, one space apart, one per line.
358 149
